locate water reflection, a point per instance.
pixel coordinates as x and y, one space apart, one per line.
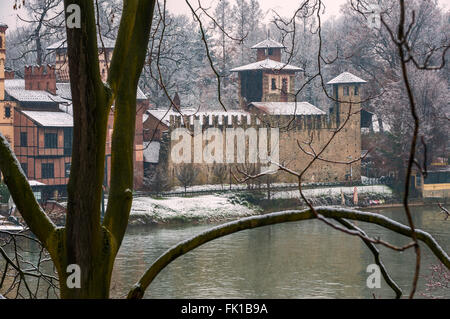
296 260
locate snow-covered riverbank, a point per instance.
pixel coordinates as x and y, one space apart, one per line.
214 208
206 208
334 191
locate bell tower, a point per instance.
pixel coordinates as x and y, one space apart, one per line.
3 28
268 79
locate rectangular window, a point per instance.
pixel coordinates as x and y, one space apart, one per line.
418 180
47 170
270 51
24 168
356 90
346 90
7 112
23 139
274 84
68 134
284 85
67 169
51 140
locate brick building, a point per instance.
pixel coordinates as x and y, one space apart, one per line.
36 116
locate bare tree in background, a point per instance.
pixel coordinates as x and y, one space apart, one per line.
187 175
44 21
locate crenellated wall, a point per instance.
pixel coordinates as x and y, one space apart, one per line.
40 78
317 129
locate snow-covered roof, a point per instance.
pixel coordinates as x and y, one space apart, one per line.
62 44
16 89
151 152
268 43
162 115
266 64
346 77
50 119
66 108
35 183
288 108
140 95
64 90
4 25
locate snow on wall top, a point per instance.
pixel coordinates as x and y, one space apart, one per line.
16 89
151 152
268 43
346 77
164 116
50 119
288 108
266 64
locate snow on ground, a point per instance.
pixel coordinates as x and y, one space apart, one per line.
333 191
215 187
147 210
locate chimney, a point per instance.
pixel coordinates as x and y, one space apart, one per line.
176 100
9 75
40 78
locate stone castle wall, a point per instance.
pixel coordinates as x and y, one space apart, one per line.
345 146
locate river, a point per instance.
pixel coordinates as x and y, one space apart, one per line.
294 260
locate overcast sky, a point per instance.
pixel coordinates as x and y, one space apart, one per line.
283 7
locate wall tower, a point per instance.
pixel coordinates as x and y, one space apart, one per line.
346 110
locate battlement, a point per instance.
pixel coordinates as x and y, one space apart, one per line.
40 70
40 78
284 122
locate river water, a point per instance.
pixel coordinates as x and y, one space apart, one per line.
294 260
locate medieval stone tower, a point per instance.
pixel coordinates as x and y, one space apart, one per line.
268 79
